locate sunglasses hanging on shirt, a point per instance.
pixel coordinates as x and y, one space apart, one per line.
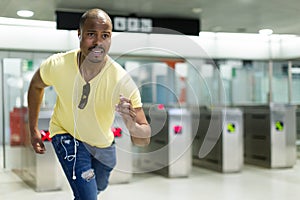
84 97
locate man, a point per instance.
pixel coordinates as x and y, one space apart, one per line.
90 87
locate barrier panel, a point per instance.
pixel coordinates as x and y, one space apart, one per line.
225 127
122 173
169 152
270 135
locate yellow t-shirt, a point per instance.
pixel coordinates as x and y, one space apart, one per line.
93 123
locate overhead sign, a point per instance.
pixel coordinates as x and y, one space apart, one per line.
131 24
70 21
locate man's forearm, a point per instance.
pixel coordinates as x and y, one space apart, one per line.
35 97
140 134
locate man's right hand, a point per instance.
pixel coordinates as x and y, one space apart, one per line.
37 143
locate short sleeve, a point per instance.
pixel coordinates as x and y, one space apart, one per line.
130 90
46 69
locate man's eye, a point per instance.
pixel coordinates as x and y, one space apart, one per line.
91 34
105 36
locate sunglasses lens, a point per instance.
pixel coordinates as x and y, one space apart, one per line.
86 89
84 96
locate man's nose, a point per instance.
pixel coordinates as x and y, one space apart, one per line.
99 40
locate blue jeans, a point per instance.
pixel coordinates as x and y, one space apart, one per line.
86 174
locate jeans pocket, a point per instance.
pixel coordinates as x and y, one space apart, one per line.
63 144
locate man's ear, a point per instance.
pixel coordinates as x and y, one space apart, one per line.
79 35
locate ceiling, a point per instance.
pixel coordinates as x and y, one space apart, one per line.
248 16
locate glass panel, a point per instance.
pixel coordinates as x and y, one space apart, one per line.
296 82
192 81
156 80
250 84
228 72
196 92
295 87
203 83
15 126
280 82
16 75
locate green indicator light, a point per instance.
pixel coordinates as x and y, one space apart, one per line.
279 126
230 127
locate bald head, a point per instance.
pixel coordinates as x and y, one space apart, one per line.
94 14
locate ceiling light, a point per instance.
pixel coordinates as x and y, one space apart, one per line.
25 13
197 10
266 31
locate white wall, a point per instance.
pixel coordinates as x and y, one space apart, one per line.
290 46
43 36
34 38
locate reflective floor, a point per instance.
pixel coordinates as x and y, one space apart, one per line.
253 183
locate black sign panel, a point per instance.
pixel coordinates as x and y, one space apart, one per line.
70 21
67 20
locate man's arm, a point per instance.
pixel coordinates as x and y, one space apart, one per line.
35 97
141 132
135 121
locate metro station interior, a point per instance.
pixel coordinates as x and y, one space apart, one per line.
223 104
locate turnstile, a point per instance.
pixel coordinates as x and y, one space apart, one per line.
218 142
122 173
169 152
41 172
270 135
298 130
44 173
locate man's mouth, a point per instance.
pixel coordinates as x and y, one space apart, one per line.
96 54
100 51
97 51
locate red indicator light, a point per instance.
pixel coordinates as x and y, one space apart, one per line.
177 129
160 106
117 131
45 135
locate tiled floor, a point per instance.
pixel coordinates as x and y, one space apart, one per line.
253 183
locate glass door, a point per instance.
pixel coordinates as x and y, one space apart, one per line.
16 74
13 112
295 95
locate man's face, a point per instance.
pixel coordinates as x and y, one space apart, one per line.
95 38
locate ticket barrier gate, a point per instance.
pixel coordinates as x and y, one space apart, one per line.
270 135
218 143
122 173
169 153
44 173
298 130
41 172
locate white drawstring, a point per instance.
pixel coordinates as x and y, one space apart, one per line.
71 157
75 115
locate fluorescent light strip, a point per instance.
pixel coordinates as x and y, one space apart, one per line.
26 22
266 31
